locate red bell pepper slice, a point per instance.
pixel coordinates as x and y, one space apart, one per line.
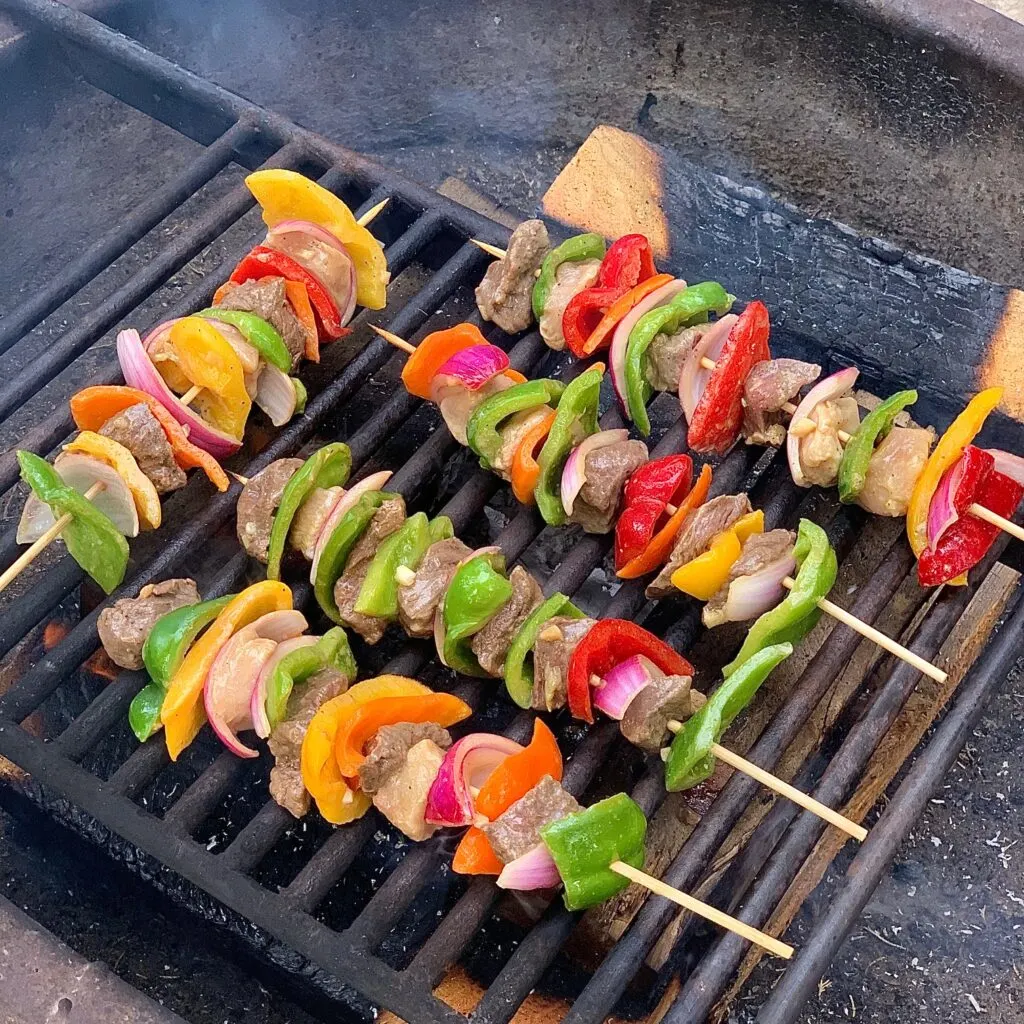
610 642
649 489
716 422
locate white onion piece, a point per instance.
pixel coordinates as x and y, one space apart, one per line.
574 473
258 701
248 355
1008 464
374 482
826 390
753 595
694 378
228 688
275 395
534 870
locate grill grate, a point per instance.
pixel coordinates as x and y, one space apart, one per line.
163 811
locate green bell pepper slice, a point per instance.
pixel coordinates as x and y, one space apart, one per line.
575 418
263 336
328 467
301 395
690 306
476 593
144 711
482 430
583 845
519 660
797 613
91 538
330 651
853 470
690 759
441 528
338 547
378 595
573 250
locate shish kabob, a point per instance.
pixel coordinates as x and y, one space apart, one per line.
191 382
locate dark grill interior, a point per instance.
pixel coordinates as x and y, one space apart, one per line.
359 912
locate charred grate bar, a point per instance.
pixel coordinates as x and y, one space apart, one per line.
295 922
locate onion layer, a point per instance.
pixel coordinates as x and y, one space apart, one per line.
465 767
824 391
275 395
1008 464
534 870
750 596
470 368
694 378
374 482
574 473
623 683
258 701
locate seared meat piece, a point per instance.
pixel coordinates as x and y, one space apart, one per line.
266 298
402 799
388 749
286 739
759 551
821 451
388 518
699 528
513 430
310 518
139 431
124 626
666 355
768 387
570 279
556 640
257 504
418 601
517 831
505 295
893 470
491 644
664 698
597 505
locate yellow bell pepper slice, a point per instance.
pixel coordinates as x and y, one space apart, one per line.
121 460
207 360
288 195
183 714
702 577
337 801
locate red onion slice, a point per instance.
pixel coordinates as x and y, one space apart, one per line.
1008 464
471 368
694 377
753 595
258 701
466 766
339 279
574 473
534 870
942 513
275 395
623 683
824 391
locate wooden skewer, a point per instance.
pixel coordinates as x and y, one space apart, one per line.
492 250
394 339
243 480
190 396
372 213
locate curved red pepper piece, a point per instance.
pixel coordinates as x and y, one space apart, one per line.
648 490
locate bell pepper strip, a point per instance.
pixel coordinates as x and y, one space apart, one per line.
433 352
702 577
288 195
475 856
853 469
339 545
406 547
691 305
298 298
144 711
661 543
718 417
648 490
525 472
182 713
119 458
573 250
601 334
332 651
261 334
335 799
583 845
690 759
441 528
329 466
959 488
949 448
518 671
92 407
575 419
477 592
360 726
301 395
483 429
610 642
91 538
797 613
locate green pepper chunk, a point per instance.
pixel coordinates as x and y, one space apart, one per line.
92 539
441 528
690 759
261 334
482 430
301 395
144 711
573 250
519 660
330 651
475 595
690 306
338 547
575 419
406 547
797 613
327 467
853 470
583 845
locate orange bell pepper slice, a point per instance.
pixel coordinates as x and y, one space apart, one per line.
298 299
619 308
92 407
475 856
525 472
661 543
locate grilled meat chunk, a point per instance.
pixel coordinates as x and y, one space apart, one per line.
556 640
387 751
821 451
402 799
597 505
139 431
418 602
893 470
124 626
768 387
759 551
267 299
662 700
310 518
570 279
505 295
286 739
491 644
517 831
666 355
699 528
257 504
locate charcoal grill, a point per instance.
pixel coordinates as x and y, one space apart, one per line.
205 830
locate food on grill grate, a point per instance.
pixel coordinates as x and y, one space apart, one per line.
506 291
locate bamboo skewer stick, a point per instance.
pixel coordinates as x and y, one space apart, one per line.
394 339
372 213
190 396
492 250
